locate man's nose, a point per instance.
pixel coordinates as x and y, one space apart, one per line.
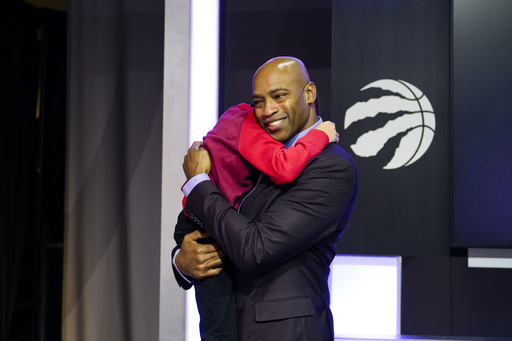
270 108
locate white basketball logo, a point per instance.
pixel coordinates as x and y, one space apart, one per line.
414 118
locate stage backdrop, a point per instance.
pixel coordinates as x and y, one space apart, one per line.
245 47
390 100
482 118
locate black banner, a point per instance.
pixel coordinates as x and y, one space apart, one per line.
482 116
391 103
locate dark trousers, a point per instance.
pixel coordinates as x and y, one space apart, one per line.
214 295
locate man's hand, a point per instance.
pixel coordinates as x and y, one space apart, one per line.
199 260
196 161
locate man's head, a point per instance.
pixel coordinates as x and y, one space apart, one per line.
284 97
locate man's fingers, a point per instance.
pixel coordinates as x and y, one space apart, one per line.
196 145
199 260
209 253
196 161
210 265
213 272
208 273
197 234
218 250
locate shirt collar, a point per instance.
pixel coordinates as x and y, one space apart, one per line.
291 142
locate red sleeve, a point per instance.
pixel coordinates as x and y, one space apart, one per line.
271 157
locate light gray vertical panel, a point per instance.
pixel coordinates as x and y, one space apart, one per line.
175 144
113 201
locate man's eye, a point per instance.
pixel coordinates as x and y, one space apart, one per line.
279 96
257 103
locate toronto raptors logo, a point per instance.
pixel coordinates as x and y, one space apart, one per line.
409 116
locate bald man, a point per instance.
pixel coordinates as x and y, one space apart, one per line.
282 239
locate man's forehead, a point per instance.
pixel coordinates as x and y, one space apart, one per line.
265 83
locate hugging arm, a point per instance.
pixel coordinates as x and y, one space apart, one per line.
199 257
313 208
282 165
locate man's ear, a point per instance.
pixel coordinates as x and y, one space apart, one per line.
310 92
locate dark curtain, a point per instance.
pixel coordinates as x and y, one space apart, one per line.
32 135
113 170
19 79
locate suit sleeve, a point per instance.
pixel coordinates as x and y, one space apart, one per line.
315 208
271 157
184 226
177 275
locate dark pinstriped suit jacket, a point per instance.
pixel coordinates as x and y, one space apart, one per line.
282 244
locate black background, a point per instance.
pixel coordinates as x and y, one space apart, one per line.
482 78
404 211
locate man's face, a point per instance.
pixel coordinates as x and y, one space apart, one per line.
280 103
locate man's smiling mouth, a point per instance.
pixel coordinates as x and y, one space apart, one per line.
275 123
